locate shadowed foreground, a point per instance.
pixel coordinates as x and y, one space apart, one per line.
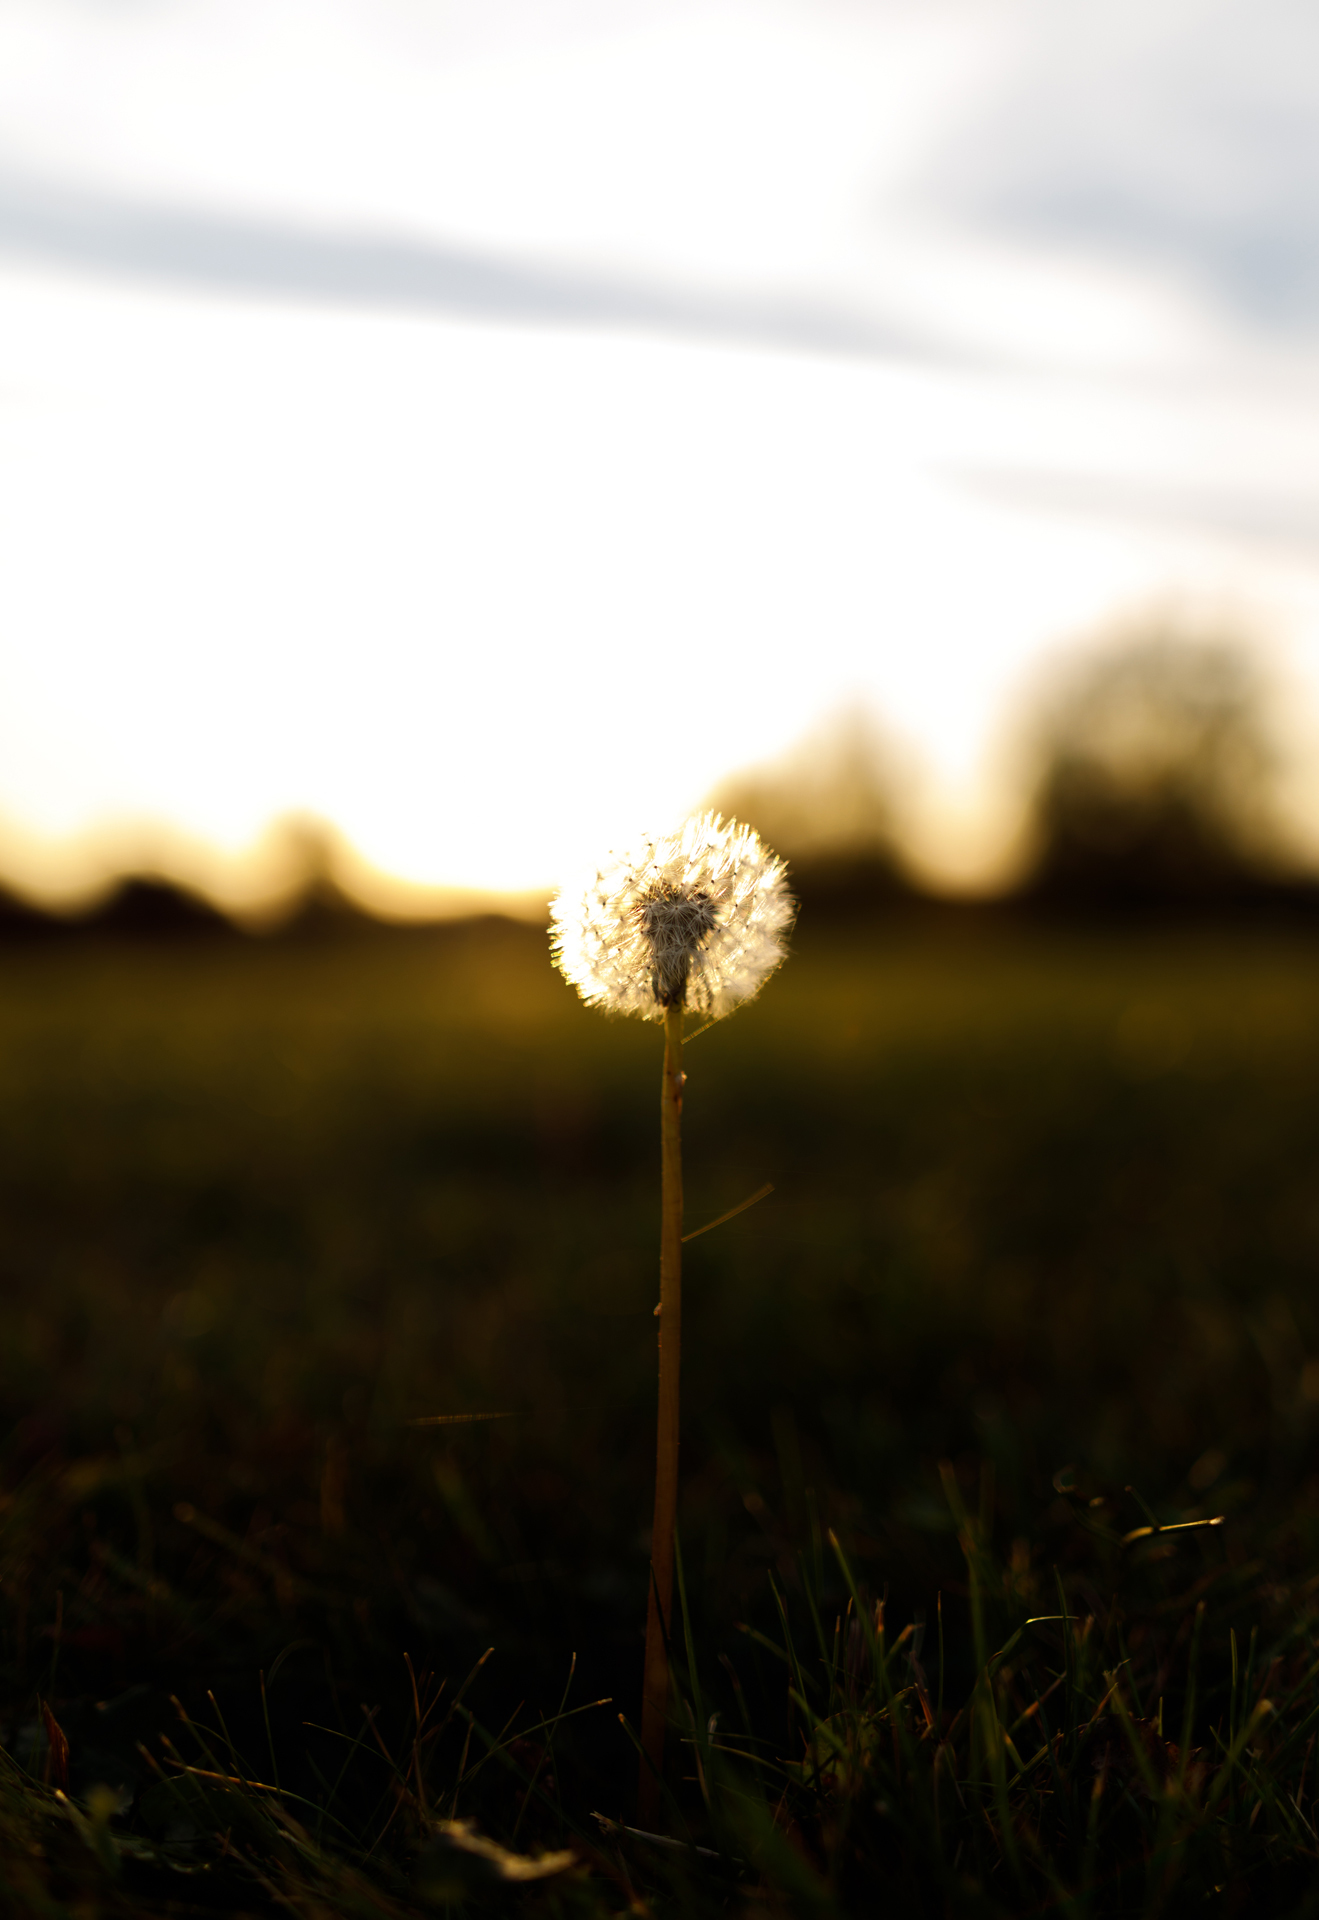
1045 1212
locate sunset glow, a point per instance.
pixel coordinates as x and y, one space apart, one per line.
391 396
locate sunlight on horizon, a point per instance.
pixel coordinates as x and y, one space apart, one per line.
539 414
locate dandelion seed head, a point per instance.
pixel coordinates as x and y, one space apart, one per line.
697 918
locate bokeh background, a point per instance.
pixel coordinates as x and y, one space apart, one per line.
486 427
437 441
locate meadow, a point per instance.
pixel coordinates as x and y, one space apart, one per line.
327 1361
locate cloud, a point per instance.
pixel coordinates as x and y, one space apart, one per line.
1183 136
140 238
1288 520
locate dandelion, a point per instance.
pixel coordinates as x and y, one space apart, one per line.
696 919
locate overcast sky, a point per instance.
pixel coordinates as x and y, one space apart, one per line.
486 424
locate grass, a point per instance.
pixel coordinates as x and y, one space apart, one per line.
1044 1229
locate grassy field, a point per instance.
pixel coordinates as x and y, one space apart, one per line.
1045 1213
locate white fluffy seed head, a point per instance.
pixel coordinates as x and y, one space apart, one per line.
697 918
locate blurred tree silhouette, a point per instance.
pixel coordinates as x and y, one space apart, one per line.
1157 778
151 906
830 807
312 901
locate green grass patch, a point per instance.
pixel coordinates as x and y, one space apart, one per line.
1035 1287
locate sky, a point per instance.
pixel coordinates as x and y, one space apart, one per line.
486 424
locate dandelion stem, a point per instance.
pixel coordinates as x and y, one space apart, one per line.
655 1699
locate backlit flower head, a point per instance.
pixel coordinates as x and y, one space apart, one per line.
697 918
